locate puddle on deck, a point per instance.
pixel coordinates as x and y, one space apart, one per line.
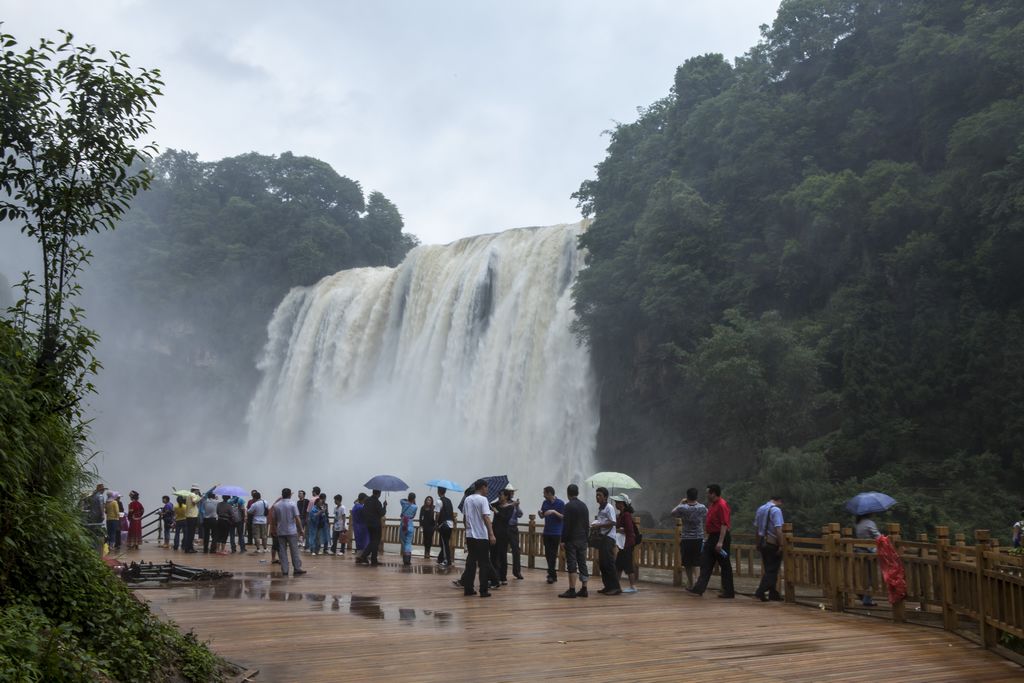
279 590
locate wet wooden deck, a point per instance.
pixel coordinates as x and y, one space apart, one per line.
355 623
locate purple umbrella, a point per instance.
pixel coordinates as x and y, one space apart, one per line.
386 482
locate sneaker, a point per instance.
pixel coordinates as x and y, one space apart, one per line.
582 593
727 596
504 583
298 572
550 580
276 562
631 589
471 592
457 583
485 595
614 591
569 594
693 592
519 576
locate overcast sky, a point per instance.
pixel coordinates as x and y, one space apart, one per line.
472 116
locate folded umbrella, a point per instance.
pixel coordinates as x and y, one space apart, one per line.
386 482
445 484
227 490
869 502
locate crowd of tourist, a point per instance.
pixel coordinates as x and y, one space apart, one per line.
193 521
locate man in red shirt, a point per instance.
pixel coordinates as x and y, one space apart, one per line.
716 547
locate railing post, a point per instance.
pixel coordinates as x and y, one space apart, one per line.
788 570
981 542
531 542
847 561
677 555
893 531
837 589
949 616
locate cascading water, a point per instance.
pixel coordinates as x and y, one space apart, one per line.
458 363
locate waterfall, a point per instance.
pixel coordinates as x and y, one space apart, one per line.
458 363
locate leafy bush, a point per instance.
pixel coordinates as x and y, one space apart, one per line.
63 613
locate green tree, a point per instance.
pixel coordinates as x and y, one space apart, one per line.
72 122
818 248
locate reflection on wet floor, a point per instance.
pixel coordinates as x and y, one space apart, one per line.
416 568
266 588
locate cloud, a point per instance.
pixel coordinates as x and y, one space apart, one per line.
470 116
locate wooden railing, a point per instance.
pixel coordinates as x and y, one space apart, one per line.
976 591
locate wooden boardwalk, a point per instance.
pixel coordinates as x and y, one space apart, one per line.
355 623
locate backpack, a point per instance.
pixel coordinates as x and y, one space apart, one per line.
236 514
639 537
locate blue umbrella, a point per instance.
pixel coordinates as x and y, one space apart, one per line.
495 485
386 482
231 491
445 484
869 502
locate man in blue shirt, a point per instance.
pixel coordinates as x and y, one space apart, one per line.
768 527
552 511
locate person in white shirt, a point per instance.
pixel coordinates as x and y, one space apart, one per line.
258 514
605 521
479 538
340 526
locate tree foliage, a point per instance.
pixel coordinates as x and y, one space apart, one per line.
818 248
192 275
70 120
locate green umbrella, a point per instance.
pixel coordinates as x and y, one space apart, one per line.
613 480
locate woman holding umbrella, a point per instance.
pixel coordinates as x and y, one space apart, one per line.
863 506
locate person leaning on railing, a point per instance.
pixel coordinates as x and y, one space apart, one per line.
866 529
768 526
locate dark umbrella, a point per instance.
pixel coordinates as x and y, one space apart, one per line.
495 485
869 502
386 482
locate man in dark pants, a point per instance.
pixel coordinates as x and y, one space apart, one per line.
373 513
552 511
513 533
192 512
479 539
210 522
445 524
575 525
768 525
605 521
716 547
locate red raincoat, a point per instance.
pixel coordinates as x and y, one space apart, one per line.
892 569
